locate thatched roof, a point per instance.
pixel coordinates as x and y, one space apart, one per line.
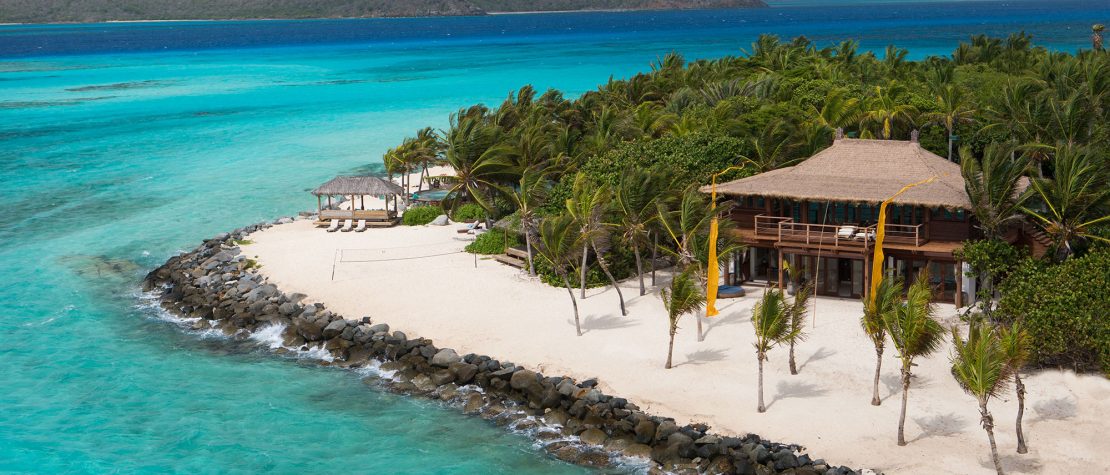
861 171
358 185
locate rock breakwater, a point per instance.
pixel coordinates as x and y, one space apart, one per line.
216 287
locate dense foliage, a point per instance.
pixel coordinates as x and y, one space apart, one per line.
493 241
420 215
1064 307
468 212
42 11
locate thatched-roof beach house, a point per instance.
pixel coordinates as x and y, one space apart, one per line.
821 215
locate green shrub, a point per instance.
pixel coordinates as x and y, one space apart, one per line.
493 241
1064 307
468 212
420 215
622 263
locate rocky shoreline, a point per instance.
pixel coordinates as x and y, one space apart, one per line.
218 288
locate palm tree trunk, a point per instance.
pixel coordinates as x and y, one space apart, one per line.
582 274
639 267
905 399
875 401
577 324
605 268
949 144
1020 389
654 256
761 408
528 245
793 368
988 425
670 351
700 336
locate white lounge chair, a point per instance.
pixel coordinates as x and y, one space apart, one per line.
334 226
865 235
346 225
846 232
361 226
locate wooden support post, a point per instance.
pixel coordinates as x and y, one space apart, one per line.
319 205
780 270
959 284
866 275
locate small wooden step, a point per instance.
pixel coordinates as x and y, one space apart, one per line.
518 253
510 260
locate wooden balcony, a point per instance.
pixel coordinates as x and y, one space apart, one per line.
850 238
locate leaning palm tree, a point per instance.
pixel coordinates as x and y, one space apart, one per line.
1096 36
875 309
684 296
1017 346
915 334
559 241
980 367
589 206
771 321
685 222
636 195
529 195
796 321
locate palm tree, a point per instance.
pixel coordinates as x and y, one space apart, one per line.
876 308
993 185
796 320
838 111
589 206
1096 36
1074 201
685 222
885 109
559 242
482 163
773 148
636 196
979 365
529 195
1017 346
684 296
771 321
915 333
953 109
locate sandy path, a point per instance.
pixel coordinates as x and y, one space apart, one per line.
497 310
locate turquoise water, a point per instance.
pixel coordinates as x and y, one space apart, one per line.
123 144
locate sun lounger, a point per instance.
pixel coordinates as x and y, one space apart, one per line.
346 225
361 226
470 228
846 232
334 226
865 235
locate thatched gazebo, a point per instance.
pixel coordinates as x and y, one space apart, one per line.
357 188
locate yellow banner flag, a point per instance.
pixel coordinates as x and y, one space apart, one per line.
880 234
713 273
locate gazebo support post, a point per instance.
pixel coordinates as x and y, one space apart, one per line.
319 205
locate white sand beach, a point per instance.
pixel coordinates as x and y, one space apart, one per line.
497 310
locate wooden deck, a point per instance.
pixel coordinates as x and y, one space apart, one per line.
840 240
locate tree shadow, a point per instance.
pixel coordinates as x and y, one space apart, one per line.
796 390
605 322
1011 463
1059 409
819 355
940 425
725 318
893 383
703 356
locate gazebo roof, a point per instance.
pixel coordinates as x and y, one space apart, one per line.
861 171
358 185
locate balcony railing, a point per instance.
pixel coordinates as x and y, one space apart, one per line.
835 235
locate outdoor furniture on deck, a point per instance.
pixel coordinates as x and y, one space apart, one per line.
361 226
360 187
846 231
346 226
334 226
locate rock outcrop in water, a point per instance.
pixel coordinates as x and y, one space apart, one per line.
218 287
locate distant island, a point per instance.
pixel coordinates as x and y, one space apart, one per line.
68 11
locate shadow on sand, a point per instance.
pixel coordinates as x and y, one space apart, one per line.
795 390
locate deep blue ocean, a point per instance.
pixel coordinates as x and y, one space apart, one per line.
122 144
